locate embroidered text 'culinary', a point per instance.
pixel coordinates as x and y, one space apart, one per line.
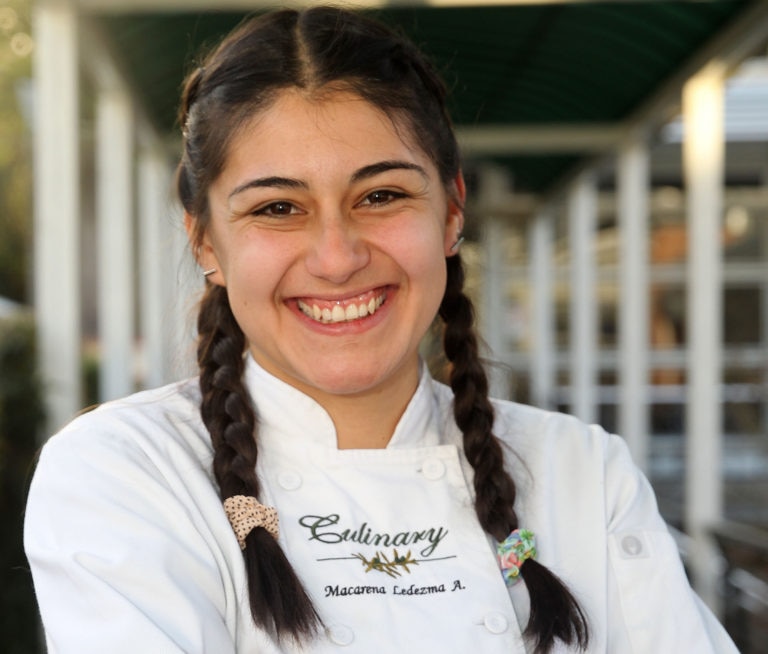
327 529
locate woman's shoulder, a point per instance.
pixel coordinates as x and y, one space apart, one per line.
567 456
555 438
519 425
154 423
516 421
539 441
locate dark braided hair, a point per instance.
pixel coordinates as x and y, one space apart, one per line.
320 50
279 602
555 613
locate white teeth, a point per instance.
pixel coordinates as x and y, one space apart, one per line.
338 313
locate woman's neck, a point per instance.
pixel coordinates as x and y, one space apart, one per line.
368 420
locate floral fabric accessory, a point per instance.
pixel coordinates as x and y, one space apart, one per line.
513 551
245 513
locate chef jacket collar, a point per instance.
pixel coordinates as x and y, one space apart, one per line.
287 413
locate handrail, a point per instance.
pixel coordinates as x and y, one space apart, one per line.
736 533
745 550
751 587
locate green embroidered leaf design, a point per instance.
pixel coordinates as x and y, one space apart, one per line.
381 563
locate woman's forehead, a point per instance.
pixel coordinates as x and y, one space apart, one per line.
299 127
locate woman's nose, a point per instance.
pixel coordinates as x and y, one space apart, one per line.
337 251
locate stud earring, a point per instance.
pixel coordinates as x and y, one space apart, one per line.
209 272
455 247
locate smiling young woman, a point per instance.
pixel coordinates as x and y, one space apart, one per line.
314 488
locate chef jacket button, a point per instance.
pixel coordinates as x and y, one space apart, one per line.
632 546
496 623
341 635
289 480
433 469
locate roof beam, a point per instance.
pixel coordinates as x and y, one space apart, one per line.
149 6
731 46
591 138
745 36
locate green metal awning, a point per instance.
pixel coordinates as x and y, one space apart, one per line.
578 64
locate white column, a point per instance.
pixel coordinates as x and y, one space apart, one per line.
582 225
703 155
541 248
493 192
114 206
495 304
633 219
155 243
57 207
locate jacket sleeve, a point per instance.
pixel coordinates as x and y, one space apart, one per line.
120 562
654 608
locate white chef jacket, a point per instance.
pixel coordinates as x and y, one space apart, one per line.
131 550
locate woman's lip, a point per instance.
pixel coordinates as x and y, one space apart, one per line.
342 310
344 299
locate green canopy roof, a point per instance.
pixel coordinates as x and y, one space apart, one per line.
578 63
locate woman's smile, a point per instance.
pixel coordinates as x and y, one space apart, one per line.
343 310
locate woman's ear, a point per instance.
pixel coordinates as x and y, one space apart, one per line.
202 249
457 195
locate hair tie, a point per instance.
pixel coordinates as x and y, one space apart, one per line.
245 514
513 551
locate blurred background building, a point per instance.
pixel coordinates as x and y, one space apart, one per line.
616 154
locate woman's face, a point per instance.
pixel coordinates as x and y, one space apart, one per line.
330 230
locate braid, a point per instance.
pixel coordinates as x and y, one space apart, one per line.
494 490
278 601
554 613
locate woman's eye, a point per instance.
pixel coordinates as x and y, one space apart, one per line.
382 197
276 209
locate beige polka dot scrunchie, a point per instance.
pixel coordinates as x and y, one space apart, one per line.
245 513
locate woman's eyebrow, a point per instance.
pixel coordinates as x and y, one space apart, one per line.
383 166
365 172
272 182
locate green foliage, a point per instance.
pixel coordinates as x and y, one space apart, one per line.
16 46
21 419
